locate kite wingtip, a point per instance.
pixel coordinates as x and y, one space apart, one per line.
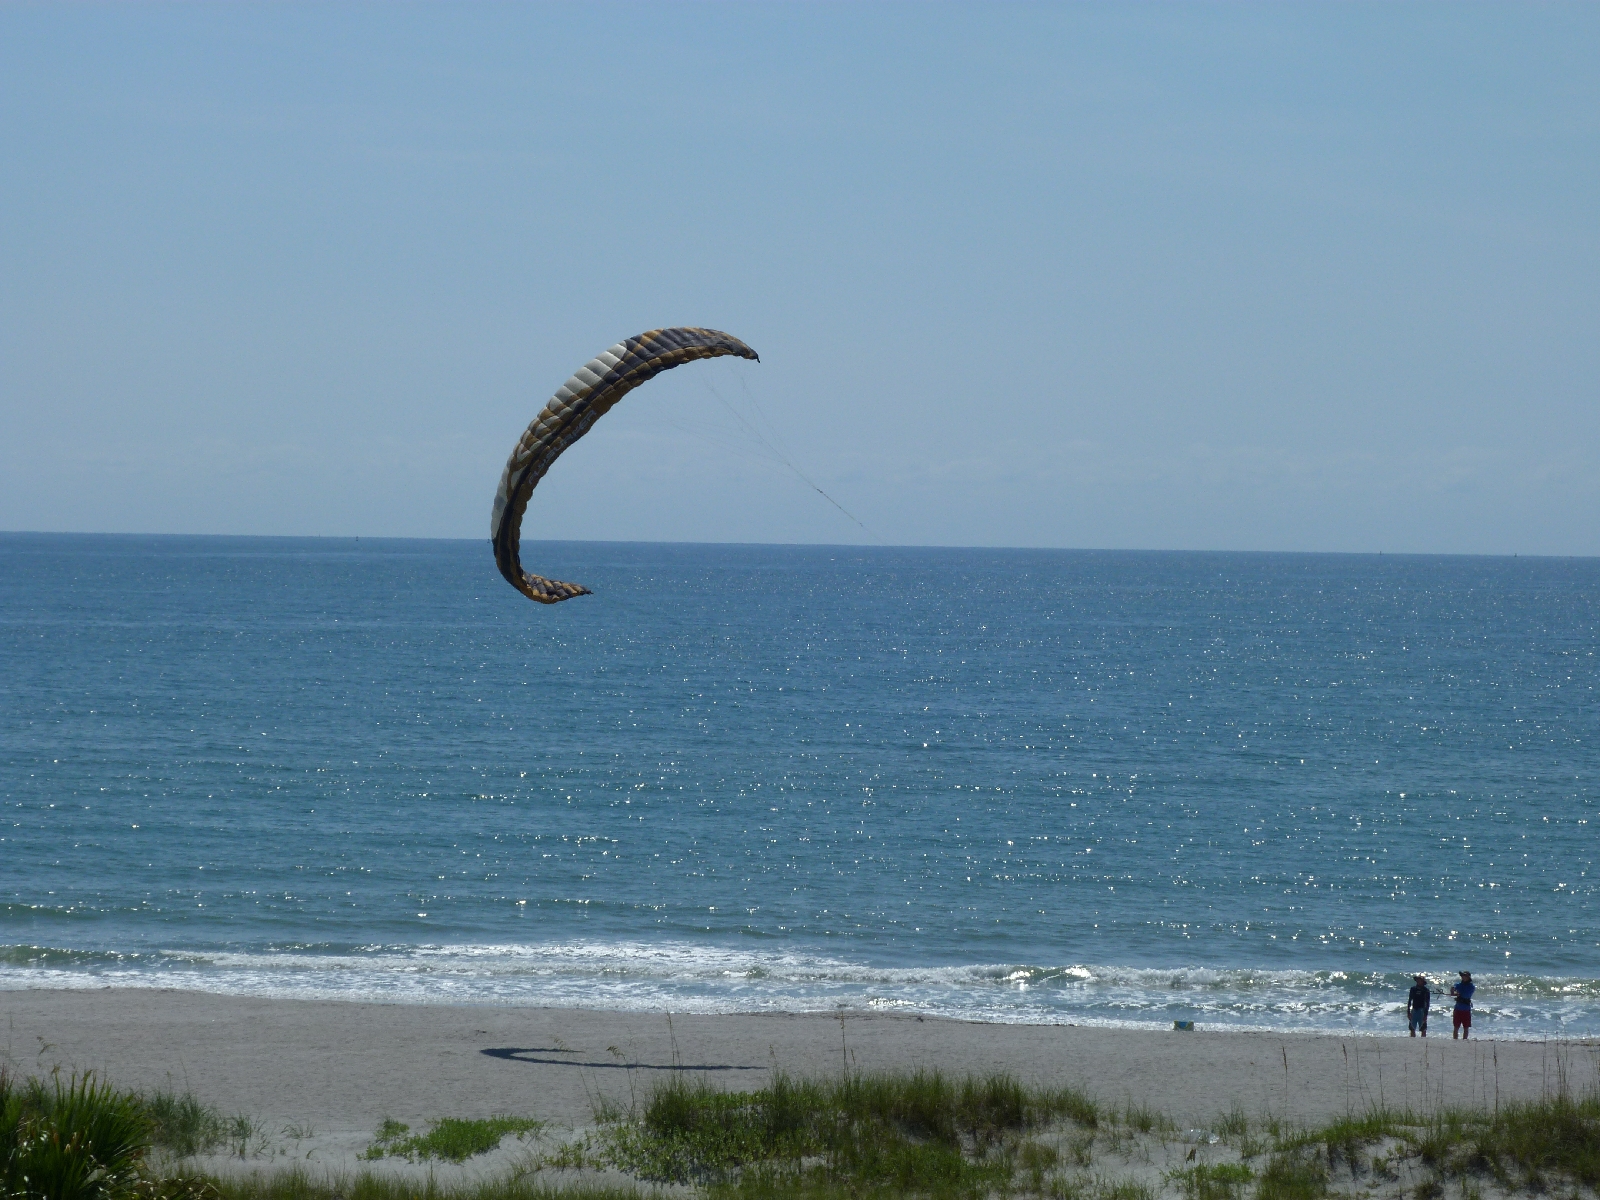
549 591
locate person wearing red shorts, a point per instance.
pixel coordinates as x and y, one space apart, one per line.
1461 1018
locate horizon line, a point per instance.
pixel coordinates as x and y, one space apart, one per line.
308 537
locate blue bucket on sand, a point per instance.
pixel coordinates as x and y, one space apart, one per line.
1184 1025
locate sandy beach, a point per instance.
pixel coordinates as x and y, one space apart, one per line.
342 1067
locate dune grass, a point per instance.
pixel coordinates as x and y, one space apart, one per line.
73 1137
862 1134
926 1135
297 1184
872 1137
1532 1145
453 1139
1213 1181
183 1126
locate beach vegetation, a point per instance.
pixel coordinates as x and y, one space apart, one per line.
1213 1181
1079 1148
453 1139
243 1135
71 1138
921 1133
1531 1147
857 1136
182 1125
298 1184
1122 1189
1296 1173
1143 1119
924 1134
68 1138
1528 1145
1252 1146
1235 1123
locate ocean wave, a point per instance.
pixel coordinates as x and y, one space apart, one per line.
52 957
689 977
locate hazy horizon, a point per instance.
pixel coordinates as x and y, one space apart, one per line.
994 548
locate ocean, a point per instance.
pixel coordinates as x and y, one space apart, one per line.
1250 790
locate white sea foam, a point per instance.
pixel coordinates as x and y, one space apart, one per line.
689 977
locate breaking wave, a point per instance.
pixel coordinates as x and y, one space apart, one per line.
686 977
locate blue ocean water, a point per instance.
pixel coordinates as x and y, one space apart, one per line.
1252 790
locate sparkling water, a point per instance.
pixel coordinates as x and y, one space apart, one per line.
1252 790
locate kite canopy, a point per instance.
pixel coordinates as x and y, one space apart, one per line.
580 402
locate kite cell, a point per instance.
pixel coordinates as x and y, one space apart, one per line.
580 402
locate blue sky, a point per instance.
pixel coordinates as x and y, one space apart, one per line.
1234 277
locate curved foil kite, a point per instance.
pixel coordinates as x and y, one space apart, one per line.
580 402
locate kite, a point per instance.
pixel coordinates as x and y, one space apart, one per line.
580 402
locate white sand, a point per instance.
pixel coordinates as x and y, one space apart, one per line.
341 1067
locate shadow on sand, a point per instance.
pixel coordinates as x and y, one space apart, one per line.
524 1055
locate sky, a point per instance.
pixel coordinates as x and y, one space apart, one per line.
1232 277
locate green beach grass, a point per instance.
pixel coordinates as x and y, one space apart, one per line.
295 1183
859 1136
76 1138
918 1133
452 1139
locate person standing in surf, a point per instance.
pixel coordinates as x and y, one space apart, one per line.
1418 1001
1461 1018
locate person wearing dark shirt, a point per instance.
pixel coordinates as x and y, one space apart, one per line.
1461 1018
1417 1003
